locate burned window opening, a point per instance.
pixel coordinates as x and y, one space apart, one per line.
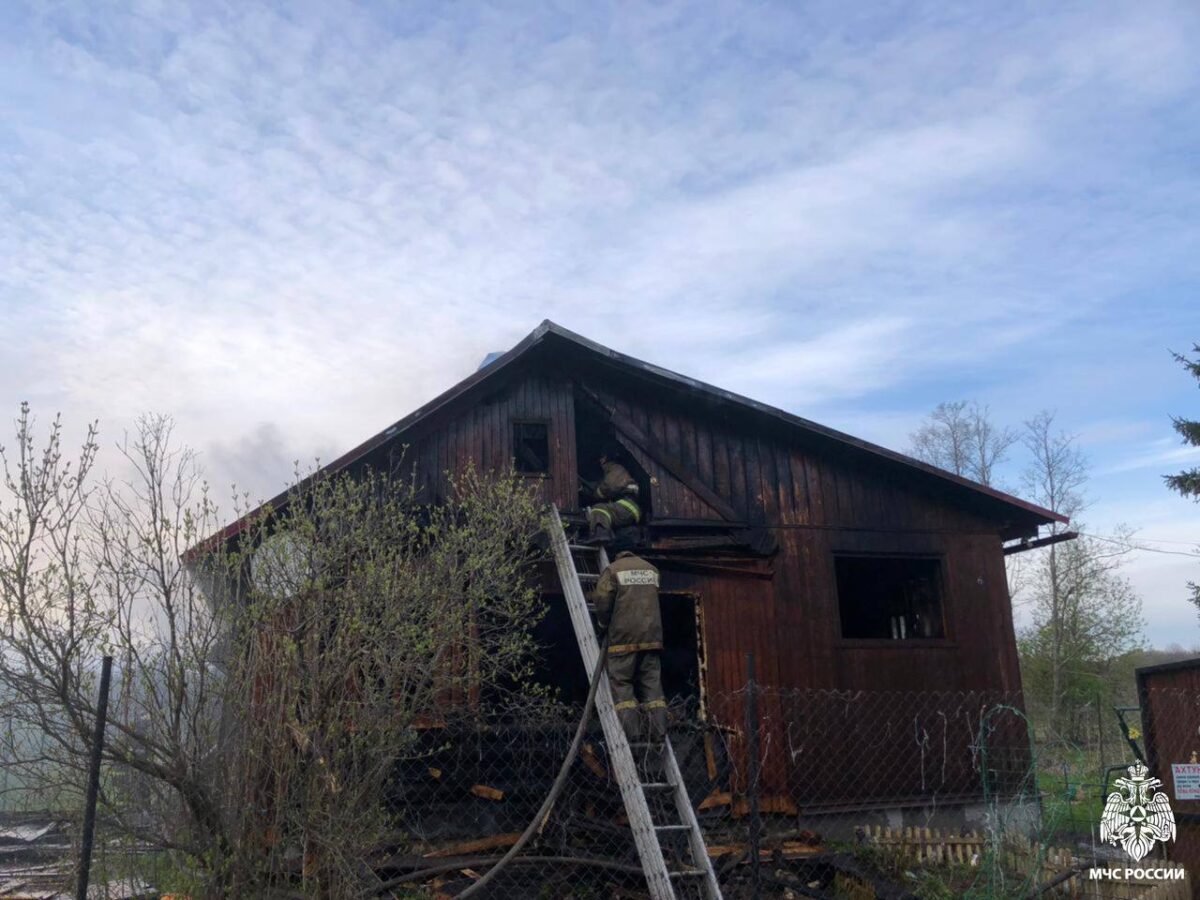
890 597
531 448
558 668
594 434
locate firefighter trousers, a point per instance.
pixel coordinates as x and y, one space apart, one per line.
636 682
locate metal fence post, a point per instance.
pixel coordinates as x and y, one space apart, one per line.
752 774
93 785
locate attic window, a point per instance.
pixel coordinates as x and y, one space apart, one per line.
890 597
531 448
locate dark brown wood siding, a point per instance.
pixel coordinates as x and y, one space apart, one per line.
819 506
1170 700
481 436
817 503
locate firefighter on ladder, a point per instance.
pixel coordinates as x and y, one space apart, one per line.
626 598
618 493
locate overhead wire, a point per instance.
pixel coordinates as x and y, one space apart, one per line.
1135 545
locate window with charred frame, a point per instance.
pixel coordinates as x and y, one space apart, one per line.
890 597
531 448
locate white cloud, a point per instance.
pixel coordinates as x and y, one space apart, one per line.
291 226
1163 453
843 362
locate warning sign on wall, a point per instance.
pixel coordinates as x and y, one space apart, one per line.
1187 780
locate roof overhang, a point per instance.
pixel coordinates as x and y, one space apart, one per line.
549 334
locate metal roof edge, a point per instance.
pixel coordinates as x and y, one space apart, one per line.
1192 662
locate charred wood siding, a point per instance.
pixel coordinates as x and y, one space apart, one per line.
481 435
818 503
820 506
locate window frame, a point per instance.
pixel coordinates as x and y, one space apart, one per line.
512 437
946 641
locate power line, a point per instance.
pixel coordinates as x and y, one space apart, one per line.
1132 545
1152 540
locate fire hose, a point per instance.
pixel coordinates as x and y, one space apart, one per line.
547 804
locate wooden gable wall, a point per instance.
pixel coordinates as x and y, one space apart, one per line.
481 435
817 503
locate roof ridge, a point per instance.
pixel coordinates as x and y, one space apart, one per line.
549 328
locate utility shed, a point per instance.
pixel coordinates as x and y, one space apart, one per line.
1169 696
843 566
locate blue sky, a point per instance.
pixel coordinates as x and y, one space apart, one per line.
289 225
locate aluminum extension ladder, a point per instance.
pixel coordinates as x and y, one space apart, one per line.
691 879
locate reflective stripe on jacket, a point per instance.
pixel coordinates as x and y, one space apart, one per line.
630 507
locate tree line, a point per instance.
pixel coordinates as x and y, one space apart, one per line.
1084 634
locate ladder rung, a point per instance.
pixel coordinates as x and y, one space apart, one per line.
657 786
687 873
589 576
589 547
672 827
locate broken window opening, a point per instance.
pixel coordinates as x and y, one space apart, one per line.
558 668
890 597
531 448
594 434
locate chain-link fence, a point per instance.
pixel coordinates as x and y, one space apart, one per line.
842 793
813 793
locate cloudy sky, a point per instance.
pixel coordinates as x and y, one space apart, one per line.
289 225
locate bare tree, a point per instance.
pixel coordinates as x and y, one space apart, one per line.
52 629
266 688
1057 472
1085 613
961 438
989 444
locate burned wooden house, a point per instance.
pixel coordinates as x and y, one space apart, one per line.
850 571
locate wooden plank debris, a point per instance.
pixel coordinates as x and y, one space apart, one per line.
592 761
714 800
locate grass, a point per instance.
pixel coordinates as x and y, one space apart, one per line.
1069 806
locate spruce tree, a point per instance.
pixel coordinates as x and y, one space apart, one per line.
1187 482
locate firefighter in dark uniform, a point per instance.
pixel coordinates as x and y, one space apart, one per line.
618 492
626 598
